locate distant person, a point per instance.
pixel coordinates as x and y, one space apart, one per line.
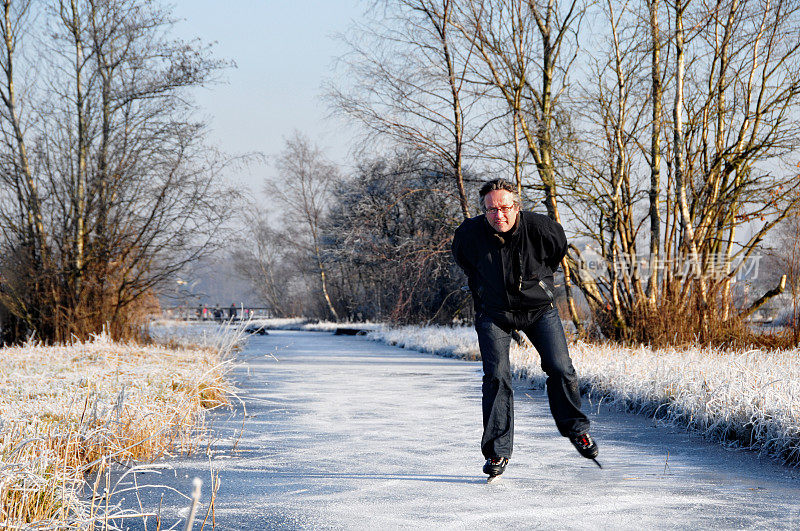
509 257
232 311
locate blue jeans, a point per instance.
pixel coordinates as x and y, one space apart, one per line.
543 328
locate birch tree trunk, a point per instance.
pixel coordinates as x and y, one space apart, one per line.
655 152
688 235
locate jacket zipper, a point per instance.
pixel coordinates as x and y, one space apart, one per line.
547 291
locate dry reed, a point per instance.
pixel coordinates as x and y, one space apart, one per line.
68 411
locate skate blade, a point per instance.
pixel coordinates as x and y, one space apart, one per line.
597 463
492 479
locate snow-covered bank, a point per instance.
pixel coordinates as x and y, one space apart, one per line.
210 333
749 398
312 325
71 411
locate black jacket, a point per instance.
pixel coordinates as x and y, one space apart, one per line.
510 273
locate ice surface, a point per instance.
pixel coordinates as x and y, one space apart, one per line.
343 432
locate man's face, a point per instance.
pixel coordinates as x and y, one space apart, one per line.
495 202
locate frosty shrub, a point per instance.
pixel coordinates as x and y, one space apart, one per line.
309 325
456 342
70 412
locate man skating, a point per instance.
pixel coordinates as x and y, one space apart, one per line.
509 257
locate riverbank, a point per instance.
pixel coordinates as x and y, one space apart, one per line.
70 412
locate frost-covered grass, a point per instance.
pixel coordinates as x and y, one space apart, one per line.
294 323
222 337
742 397
70 412
452 342
205 332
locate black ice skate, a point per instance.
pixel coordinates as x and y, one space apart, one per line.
494 467
586 446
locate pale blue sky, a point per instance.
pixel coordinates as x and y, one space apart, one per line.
284 50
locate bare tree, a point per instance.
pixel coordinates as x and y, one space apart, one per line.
388 237
654 194
109 176
22 212
520 43
732 86
687 220
411 84
788 261
303 189
604 191
260 257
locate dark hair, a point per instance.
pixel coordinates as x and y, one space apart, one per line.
497 184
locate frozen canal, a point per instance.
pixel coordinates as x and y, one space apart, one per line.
342 432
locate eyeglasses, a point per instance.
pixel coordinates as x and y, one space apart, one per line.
503 209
